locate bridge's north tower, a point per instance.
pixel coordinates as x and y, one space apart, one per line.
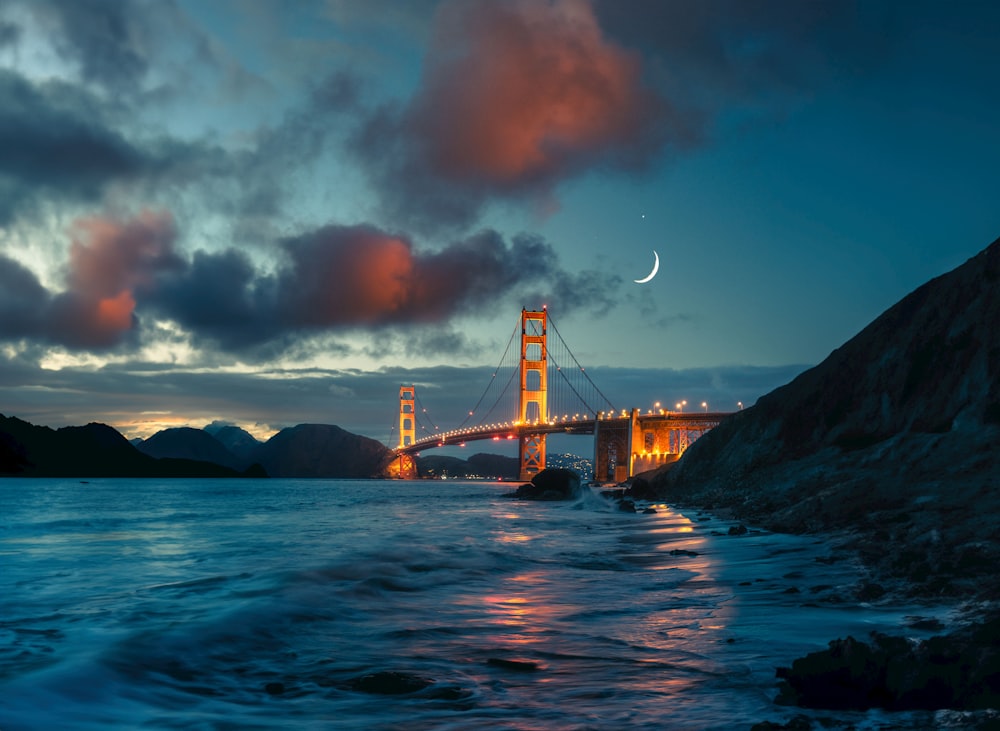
407 431
533 402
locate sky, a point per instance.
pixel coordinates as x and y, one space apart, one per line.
268 213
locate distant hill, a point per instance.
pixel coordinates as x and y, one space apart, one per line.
187 443
488 466
894 439
238 441
94 450
321 450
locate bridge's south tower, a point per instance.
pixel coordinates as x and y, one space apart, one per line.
533 404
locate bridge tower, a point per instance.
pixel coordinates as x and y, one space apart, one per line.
533 401
407 431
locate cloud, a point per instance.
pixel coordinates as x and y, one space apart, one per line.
111 264
22 300
50 143
105 38
515 98
345 278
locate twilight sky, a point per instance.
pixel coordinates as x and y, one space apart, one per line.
271 213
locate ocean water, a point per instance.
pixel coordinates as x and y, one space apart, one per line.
258 604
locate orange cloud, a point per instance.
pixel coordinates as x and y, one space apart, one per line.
111 263
522 91
115 313
108 255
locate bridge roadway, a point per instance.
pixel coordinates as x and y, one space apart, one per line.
680 420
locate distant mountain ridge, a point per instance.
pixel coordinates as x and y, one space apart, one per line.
188 443
94 450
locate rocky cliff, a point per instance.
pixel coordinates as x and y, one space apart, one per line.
894 439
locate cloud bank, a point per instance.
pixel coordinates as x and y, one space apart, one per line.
333 279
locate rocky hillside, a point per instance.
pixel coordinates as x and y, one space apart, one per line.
894 439
321 450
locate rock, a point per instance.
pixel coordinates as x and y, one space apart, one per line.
641 489
274 688
960 671
682 552
626 506
556 483
390 682
649 511
738 530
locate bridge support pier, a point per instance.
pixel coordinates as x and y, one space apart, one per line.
403 467
531 455
613 449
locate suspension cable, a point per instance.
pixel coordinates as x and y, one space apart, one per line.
581 369
492 379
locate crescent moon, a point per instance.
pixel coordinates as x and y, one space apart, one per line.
656 268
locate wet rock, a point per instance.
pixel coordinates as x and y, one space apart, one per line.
626 506
649 511
555 483
390 682
738 530
683 552
274 688
960 671
641 489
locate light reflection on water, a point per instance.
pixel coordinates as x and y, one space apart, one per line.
177 610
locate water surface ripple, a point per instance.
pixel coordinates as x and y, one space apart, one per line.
257 604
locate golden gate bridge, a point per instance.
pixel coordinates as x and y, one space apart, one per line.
540 388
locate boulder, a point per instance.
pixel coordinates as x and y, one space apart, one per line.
555 483
960 671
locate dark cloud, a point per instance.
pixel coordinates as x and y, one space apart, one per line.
333 279
51 144
515 98
106 38
221 297
343 278
22 300
9 33
111 264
